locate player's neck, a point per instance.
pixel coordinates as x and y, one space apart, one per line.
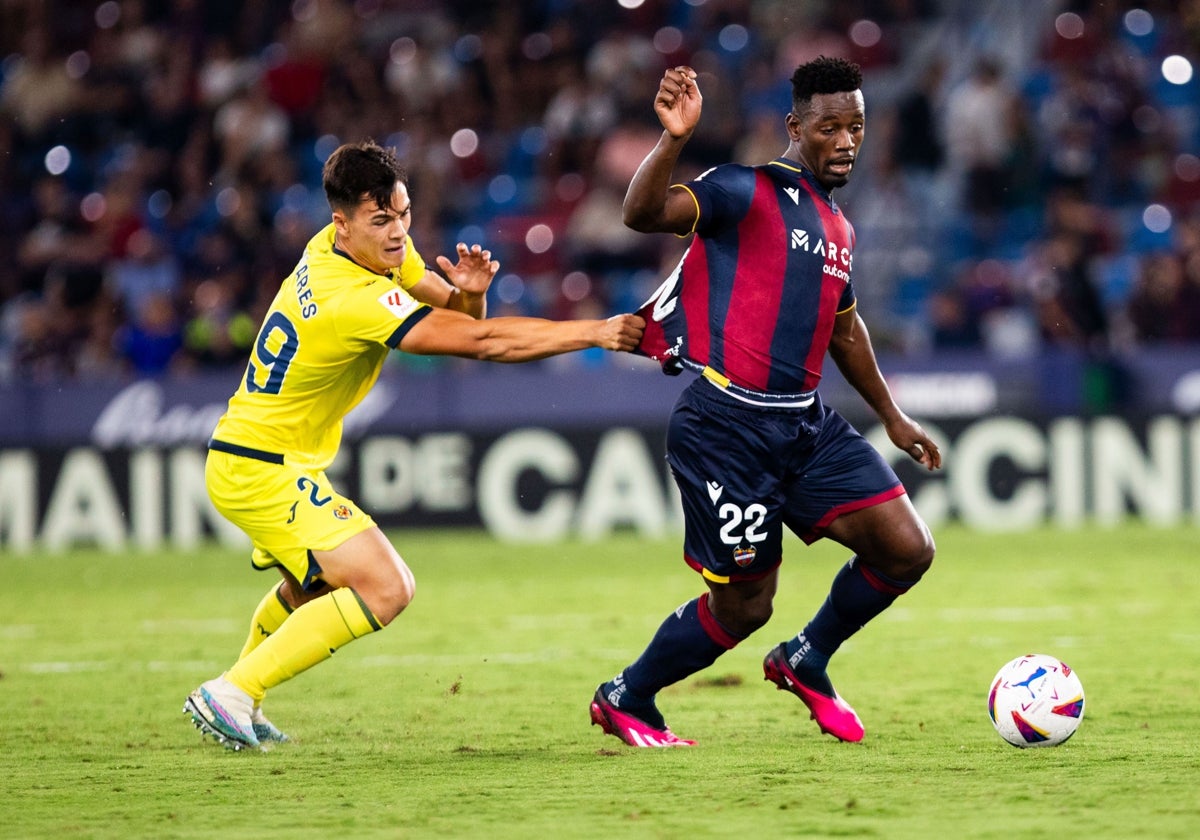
339 247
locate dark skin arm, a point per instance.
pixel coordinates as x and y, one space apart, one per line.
850 348
650 205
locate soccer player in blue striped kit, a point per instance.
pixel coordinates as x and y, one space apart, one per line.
762 293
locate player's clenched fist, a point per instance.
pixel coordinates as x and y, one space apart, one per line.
622 332
678 101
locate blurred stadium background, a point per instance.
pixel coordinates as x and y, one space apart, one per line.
1027 208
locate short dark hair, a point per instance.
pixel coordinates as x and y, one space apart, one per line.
823 75
358 170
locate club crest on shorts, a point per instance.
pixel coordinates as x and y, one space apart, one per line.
342 512
744 556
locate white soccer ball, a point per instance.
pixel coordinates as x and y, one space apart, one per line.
1036 701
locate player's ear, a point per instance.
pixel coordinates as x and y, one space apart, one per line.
792 122
340 223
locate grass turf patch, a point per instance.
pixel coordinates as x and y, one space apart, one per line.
468 716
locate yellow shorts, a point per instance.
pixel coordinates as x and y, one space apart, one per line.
286 511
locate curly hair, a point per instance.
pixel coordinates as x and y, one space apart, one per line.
361 170
823 75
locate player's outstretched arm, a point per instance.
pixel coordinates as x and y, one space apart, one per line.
650 205
446 333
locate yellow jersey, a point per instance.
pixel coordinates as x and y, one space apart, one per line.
319 351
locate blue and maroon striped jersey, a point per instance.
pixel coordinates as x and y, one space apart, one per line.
756 294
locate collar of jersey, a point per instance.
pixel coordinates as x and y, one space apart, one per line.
800 173
341 253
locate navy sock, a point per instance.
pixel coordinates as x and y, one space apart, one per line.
857 595
689 640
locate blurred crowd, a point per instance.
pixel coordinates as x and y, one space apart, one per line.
1030 176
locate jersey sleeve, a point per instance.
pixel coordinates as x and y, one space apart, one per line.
413 267
378 313
723 195
848 298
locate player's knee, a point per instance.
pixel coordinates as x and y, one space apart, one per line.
398 593
295 596
387 594
757 615
744 617
908 555
928 549
918 557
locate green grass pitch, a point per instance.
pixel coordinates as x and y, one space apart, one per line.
468 716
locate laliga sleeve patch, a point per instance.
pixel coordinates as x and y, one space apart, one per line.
399 303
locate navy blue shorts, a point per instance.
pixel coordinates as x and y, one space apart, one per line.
744 472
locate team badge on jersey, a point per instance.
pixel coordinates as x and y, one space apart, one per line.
342 512
744 556
399 303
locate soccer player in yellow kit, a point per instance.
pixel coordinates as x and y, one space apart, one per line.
359 291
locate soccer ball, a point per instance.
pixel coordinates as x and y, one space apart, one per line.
1036 701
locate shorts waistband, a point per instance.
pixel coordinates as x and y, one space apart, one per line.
752 397
245 451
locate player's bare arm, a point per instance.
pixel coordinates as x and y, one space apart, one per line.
469 280
447 333
650 205
850 347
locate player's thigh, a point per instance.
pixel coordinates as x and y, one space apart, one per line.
728 482
289 513
368 563
842 474
890 536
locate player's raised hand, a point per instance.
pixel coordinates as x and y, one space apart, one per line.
621 332
678 101
474 270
